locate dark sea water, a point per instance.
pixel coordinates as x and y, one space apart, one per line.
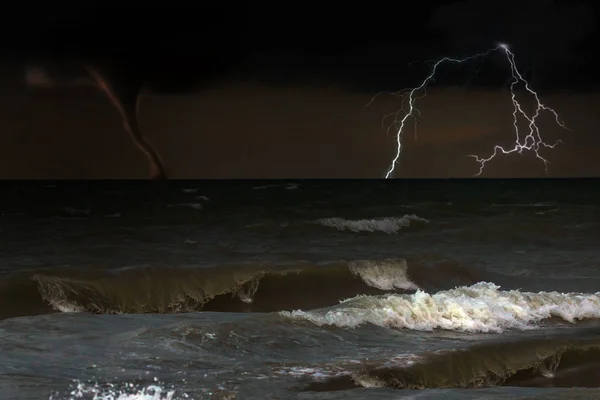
429 289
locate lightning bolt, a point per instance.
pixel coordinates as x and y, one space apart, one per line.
532 141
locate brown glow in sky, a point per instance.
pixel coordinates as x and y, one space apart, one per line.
253 131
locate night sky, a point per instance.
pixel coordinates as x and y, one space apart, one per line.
280 89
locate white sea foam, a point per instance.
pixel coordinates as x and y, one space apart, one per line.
384 274
482 307
129 392
155 390
388 225
315 373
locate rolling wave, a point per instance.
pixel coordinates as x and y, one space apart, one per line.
541 362
248 287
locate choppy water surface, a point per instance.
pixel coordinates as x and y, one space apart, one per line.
461 289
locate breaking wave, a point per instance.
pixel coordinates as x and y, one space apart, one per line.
541 362
389 225
248 287
482 307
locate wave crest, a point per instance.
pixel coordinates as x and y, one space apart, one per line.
384 275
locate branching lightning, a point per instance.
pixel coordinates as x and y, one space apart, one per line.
532 141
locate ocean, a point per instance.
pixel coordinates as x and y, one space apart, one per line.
378 289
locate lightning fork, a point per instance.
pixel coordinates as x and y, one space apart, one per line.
533 141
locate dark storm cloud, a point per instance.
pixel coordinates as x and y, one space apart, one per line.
542 30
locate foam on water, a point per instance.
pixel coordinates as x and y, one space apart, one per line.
129 392
482 307
345 368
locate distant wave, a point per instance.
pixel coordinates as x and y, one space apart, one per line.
546 204
288 186
248 287
387 225
541 362
481 307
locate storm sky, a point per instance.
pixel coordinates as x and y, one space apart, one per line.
264 92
